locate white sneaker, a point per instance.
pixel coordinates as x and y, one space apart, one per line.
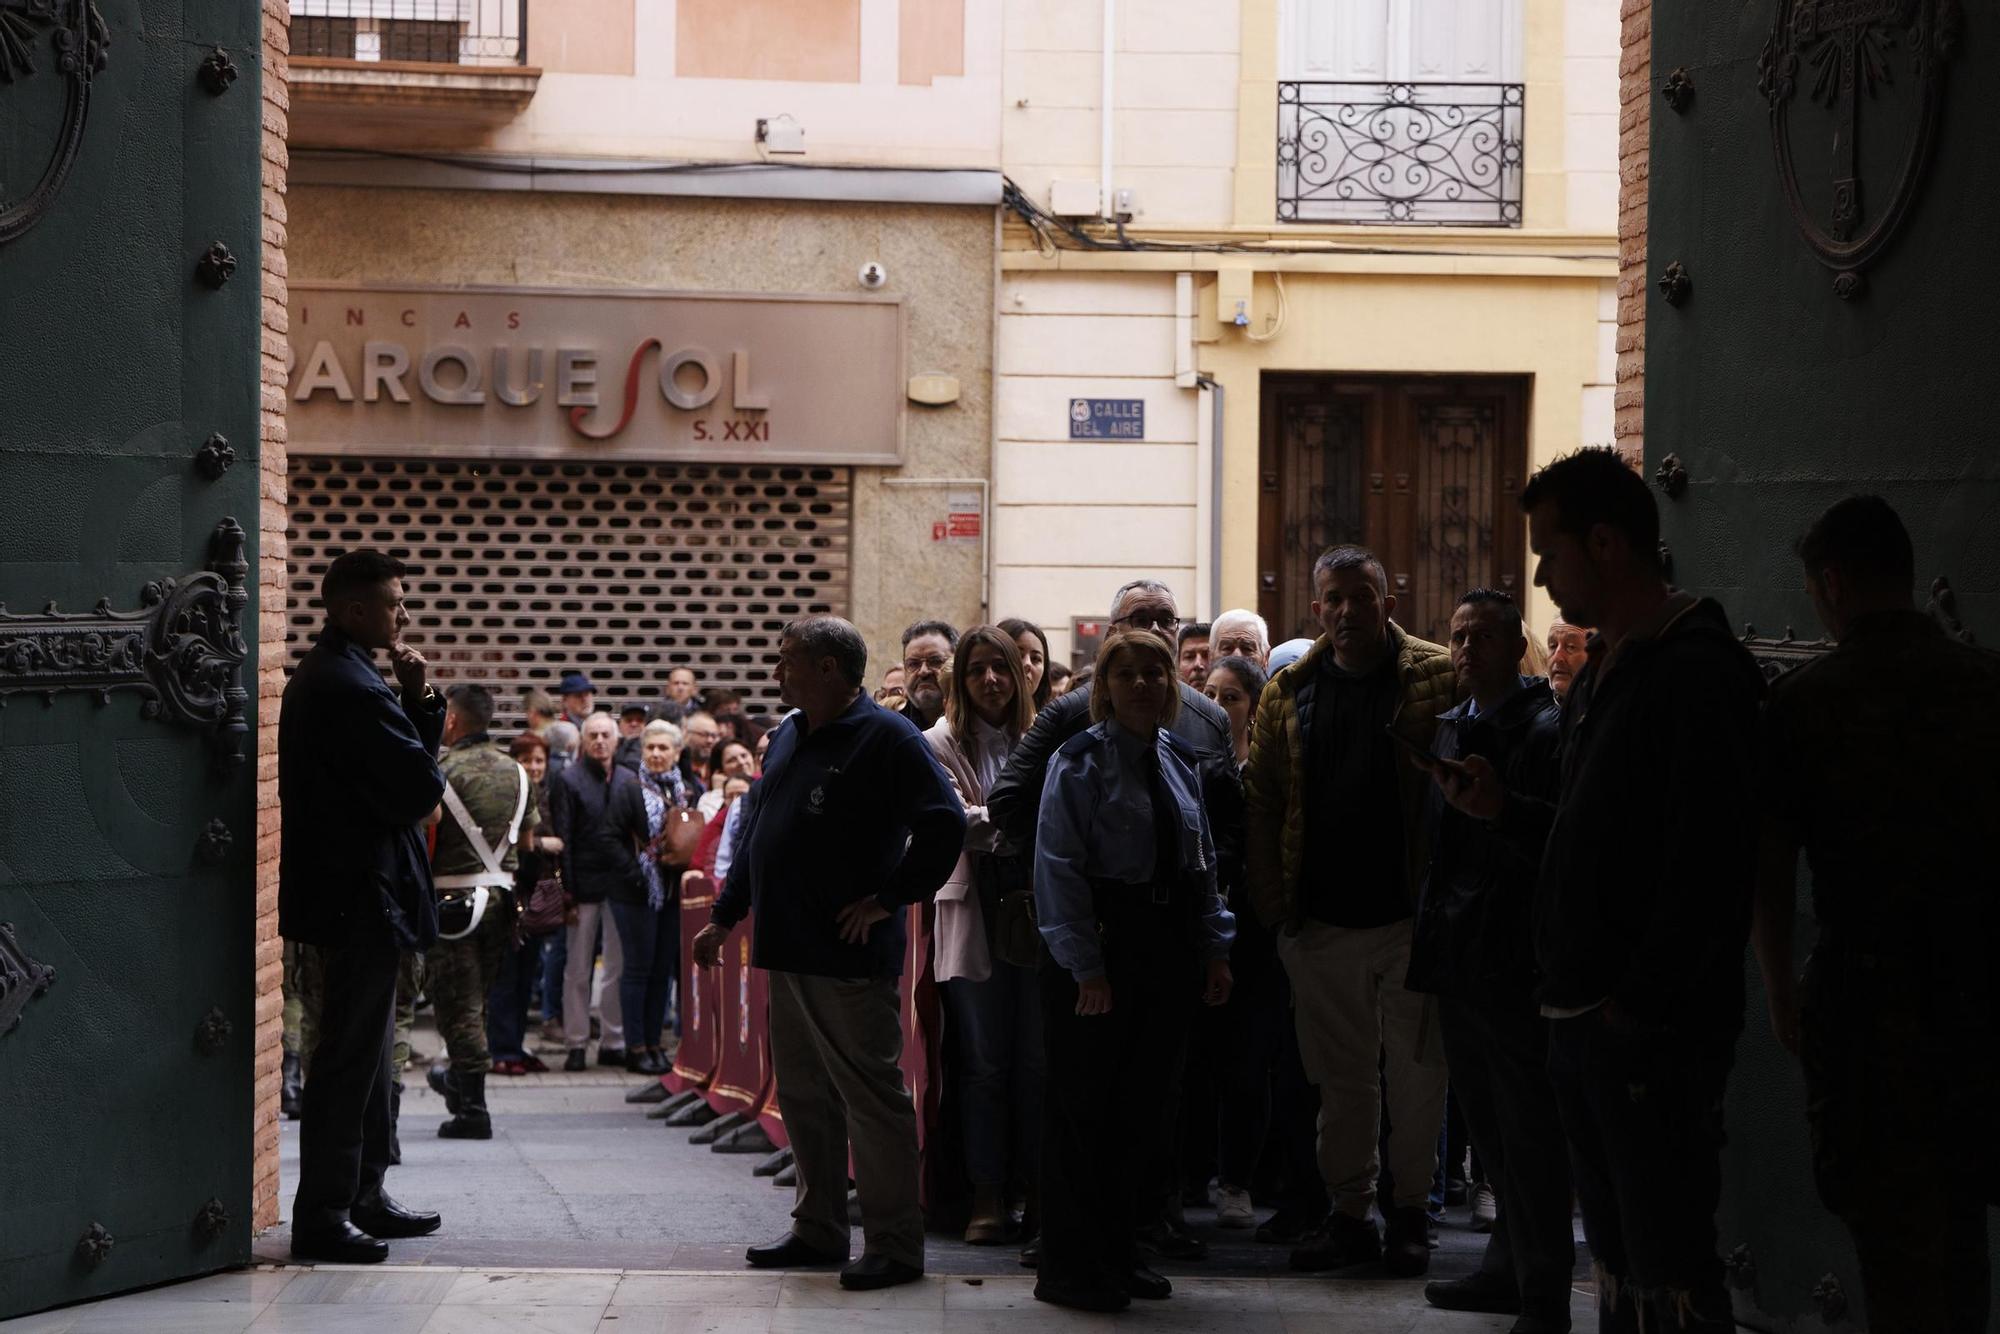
1233 1208
1484 1208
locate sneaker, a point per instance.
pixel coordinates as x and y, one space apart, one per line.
575 1061
1485 1209
1344 1241
1233 1208
1406 1249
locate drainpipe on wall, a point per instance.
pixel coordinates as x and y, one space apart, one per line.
1106 199
1216 396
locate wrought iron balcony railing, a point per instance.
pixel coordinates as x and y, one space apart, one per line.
1403 154
434 32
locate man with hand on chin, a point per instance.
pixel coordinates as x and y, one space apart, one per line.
853 821
357 775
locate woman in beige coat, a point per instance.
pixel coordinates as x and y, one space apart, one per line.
991 1002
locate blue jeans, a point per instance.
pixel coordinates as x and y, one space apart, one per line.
555 957
998 1026
652 942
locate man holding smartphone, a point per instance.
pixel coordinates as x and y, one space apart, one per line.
1335 853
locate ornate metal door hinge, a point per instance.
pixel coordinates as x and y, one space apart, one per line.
1675 284
81 42
93 1248
215 842
182 651
216 266
1678 90
211 1221
1672 477
214 457
1775 657
21 979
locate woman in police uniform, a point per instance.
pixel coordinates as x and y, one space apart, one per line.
1125 891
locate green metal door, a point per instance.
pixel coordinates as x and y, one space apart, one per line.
128 530
1824 181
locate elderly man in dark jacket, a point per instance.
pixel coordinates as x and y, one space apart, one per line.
1474 950
1642 907
853 822
357 775
600 815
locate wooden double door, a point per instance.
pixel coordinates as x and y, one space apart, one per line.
1426 471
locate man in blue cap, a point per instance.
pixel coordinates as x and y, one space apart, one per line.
579 698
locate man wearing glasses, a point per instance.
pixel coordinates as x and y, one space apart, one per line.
927 650
1014 803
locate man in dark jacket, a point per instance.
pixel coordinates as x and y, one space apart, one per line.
1474 950
1878 768
357 776
852 823
600 815
1014 803
1642 907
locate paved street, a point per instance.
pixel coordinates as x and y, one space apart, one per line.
583 1217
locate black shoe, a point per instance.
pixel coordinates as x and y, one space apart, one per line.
1406 1245
574 1061
791 1253
1344 1241
1288 1227
611 1056
1487 1293
1031 1256
648 1093
1146 1285
291 1087
1171 1243
472 1120
445 1085
1106 1300
878 1271
645 1062
389 1220
339 1243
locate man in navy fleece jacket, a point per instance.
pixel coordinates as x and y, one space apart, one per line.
852 822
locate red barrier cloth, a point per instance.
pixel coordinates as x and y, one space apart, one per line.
743 1075
923 1037
696 1062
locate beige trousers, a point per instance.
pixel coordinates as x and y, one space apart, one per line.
578 969
834 1050
1358 1025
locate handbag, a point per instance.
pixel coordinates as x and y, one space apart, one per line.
1012 931
547 907
679 837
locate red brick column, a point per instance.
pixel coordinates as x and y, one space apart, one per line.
1635 100
270 618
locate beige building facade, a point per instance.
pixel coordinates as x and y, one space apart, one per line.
644 327
1352 264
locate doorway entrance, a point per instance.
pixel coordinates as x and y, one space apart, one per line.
1424 470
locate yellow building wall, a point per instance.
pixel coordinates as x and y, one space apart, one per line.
1546 328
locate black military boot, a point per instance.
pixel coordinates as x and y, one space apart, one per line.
395 1118
472 1121
291 1087
445 1084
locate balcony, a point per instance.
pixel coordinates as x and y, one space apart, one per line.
1401 154
433 72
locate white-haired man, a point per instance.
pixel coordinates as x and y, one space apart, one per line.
1240 634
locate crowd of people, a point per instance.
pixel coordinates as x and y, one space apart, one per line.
1339 928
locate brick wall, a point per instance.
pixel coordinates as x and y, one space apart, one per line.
270 620
1635 101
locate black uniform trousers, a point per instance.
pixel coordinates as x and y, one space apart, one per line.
1112 1089
1499 1060
344 1125
1900 1094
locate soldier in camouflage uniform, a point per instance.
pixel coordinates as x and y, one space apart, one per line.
1880 765
291 1085
459 973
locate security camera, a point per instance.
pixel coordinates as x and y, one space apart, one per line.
873 275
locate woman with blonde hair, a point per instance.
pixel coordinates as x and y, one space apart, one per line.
991 999
1126 899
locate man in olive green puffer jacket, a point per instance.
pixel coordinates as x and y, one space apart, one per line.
1335 856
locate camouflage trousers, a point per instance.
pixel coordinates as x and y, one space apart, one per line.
458 974
304 986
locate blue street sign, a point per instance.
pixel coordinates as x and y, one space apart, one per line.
1107 419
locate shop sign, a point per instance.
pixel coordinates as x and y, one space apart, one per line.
536 372
1107 419
963 520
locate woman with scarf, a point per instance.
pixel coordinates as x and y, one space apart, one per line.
650 931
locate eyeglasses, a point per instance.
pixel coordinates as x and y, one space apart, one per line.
911 666
1150 620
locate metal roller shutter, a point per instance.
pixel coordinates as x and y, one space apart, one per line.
520 571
